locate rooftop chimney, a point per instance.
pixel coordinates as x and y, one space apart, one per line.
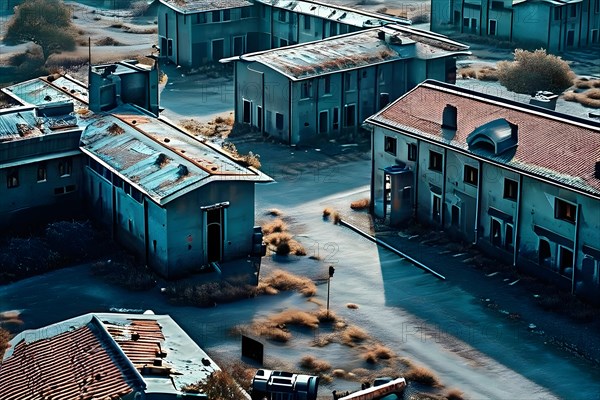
381 35
449 117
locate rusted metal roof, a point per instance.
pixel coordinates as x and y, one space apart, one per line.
354 50
140 340
551 145
337 13
156 157
194 6
71 365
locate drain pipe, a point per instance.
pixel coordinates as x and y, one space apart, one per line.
393 250
517 230
478 202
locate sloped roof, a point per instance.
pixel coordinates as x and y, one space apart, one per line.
51 89
195 6
74 364
354 50
156 157
551 145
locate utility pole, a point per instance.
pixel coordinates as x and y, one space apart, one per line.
331 271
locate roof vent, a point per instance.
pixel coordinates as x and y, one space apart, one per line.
381 35
544 99
135 336
499 135
597 170
449 117
161 159
182 171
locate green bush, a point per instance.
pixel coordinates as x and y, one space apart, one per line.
532 71
44 22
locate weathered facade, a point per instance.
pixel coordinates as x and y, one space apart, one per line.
196 32
327 87
40 161
519 181
554 25
105 355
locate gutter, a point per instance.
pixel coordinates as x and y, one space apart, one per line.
478 203
517 224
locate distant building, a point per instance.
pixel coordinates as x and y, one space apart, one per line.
40 161
104 356
519 181
330 86
554 25
179 203
193 33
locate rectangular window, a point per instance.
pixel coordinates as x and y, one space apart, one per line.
384 100
307 22
246 12
42 173
200 18
497 5
348 81
279 121
565 261
466 22
323 121
597 6
471 175
327 84
435 161
508 237
306 90
282 15
59 190
70 188
436 208
557 12
390 145
412 152
65 167
216 16
226 15
12 178
492 27
336 119
350 111
511 189
564 210
573 10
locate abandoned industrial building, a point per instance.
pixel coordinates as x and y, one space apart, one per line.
554 25
193 33
103 355
520 181
179 203
330 86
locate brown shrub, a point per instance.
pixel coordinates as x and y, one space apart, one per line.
377 352
327 211
314 365
467 72
283 280
274 226
218 385
276 238
593 94
324 340
454 394
294 317
583 84
324 315
352 306
338 373
352 335
487 74
274 212
4 339
361 204
422 375
336 217
108 41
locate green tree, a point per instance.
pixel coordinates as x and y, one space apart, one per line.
532 71
44 22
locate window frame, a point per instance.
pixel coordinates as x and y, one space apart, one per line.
307 23
306 90
65 167
507 192
279 121
434 155
12 178
411 149
226 15
212 16
390 145
43 169
562 213
470 175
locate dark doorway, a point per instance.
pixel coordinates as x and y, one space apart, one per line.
214 234
455 216
492 27
350 111
544 253
247 112
496 233
570 38
436 209
217 49
238 45
323 122
259 118
566 262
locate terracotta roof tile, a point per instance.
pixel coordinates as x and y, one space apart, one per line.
71 365
140 340
550 145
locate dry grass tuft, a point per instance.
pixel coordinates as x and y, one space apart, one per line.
275 212
4 339
108 41
422 375
294 317
589 98
353 335
377 352
324 340
454 394
338 373
283 280
336 217
324 315
276 238
312 364
352 306
329 212
274 226
361 204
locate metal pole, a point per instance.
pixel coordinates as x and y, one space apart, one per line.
328 281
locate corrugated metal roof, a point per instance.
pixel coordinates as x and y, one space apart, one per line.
551 145
16 124
194 6
354 50
46 90
346 15
71 365
156 157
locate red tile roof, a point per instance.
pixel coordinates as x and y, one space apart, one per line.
141 340
551 145
73 365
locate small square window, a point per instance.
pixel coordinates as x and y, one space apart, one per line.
412 152
279 121
511 189
327 84
282 15
306 90
226 15
557 13
307 22
216 16
246 12
565 211
435 161
65 167
471 175
390 145
201 18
